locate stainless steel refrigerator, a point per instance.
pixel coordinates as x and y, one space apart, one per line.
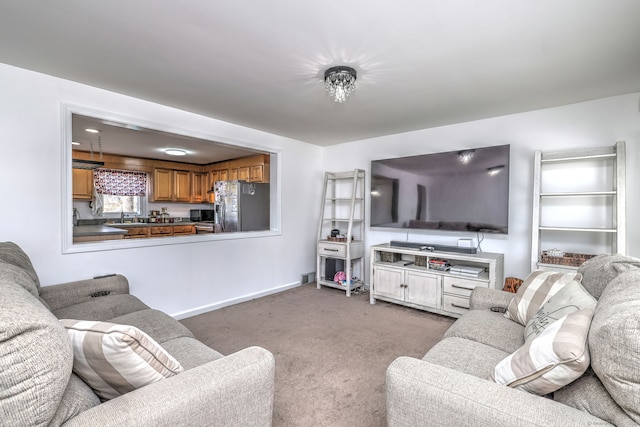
242 206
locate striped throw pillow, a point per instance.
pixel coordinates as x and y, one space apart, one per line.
553 359
115 359
535 291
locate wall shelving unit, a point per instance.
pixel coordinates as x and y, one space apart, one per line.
343 207
578 203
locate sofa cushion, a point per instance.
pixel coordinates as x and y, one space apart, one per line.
102 308
490 328
13 254
466 356
572 297
559 355
599 271
536 290
17 275
614 341
158 325
115 359
190 352
78 397
35 358
589 395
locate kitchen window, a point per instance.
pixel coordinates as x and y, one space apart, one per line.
119 192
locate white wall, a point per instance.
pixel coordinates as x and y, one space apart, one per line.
179 279
589 124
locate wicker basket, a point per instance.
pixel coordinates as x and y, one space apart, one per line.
570 259
421 261
389 257
338 239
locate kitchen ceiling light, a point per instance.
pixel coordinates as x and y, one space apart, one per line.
340 82
91 130
175 152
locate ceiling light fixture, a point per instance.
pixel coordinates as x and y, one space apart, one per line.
175 152
91 130
340 82
465 156
91 163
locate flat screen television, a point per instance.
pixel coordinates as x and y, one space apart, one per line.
464 190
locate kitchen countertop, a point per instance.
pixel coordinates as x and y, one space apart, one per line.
96 230
112 228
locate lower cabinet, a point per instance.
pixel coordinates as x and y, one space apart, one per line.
422 280
411 287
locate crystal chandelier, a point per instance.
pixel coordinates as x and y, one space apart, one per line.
340 82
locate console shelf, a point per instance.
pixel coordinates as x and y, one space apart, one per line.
419 279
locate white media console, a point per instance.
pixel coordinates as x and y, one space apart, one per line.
412 277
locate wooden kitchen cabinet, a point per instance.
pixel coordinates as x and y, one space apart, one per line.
199 187
171 185
136 232
180 230
82 182
160 231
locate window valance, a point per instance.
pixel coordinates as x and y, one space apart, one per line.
120 183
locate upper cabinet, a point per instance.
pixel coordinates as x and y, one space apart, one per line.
82 184
171 186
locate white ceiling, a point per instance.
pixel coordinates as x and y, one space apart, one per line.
420 63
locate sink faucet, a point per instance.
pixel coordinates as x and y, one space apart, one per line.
122 217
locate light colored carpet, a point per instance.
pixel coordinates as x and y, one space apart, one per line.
331 351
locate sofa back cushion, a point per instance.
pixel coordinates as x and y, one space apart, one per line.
16 275
13 254
35 358
614 341
599 271
589 395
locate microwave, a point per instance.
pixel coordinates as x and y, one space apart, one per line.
199 215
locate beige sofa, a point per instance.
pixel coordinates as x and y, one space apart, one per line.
452 386
38 387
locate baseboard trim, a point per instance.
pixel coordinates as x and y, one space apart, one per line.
210 307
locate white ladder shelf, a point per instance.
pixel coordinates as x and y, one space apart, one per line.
343 206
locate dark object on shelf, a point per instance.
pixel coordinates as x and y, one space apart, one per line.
570 259
389 257
511 284
335 232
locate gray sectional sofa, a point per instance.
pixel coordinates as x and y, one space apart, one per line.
38 387
451 385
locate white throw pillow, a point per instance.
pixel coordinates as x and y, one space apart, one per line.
535 291
572 297
553 359
115 359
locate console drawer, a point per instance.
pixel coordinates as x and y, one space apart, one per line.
461 286
332 250
455 304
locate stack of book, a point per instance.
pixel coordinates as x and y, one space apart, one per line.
439 264
466 270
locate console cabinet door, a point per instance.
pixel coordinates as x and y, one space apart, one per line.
423 289
389 282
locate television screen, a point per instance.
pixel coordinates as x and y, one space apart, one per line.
465 190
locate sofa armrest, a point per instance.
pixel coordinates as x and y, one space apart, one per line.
422 393
236 390
485 298
66 294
